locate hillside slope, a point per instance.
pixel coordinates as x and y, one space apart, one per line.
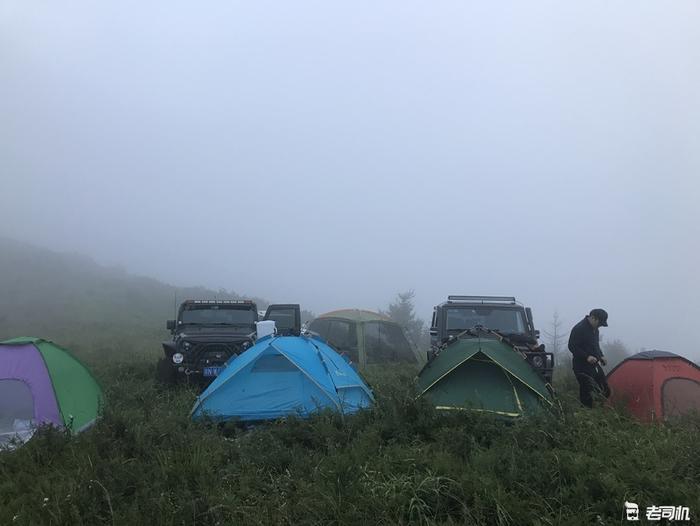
73 300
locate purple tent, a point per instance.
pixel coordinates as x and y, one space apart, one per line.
42 384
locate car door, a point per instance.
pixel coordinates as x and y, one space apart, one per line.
287 318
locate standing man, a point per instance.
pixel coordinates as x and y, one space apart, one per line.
584 344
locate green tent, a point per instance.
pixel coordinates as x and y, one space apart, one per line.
483 375
366 337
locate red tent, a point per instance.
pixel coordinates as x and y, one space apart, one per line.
656 385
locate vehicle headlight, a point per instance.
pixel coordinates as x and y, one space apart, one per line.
178 357
538 361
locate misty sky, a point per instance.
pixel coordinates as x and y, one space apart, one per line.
335 153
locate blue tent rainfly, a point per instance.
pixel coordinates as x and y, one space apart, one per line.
283 376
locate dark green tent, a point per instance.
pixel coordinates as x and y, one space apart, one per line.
366 337
483 375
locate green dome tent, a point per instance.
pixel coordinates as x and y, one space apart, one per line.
483 374
366 337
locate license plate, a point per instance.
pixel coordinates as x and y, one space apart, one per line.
212 371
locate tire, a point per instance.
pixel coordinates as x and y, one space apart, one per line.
165 372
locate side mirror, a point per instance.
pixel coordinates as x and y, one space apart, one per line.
537 333
170 325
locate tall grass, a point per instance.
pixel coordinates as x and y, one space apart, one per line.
399 463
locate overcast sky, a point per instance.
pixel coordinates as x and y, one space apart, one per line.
335 153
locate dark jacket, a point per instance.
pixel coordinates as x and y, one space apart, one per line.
584 341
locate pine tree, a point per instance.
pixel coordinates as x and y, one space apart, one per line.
557 340
402 311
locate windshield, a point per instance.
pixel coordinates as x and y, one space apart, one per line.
217 315
508 321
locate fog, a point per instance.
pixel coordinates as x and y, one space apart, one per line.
336 153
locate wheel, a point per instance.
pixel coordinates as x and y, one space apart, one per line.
165 372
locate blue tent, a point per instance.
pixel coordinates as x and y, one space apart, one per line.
282 376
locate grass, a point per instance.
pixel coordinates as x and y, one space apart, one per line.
399 463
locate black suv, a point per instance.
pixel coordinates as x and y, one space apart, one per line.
206 334
500 316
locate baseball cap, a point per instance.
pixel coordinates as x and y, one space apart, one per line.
601 316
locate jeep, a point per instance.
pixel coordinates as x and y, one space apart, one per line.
491 316
205 335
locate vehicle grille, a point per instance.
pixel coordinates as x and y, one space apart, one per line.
212 354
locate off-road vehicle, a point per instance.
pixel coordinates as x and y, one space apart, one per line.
500 317
205 335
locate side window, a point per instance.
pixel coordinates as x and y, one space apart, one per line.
680 396
373 343
320 327
273 363
342 335
395 340
385 342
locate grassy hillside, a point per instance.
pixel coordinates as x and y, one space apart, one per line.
145 462
399 463
71 299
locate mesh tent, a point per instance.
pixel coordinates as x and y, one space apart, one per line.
365 337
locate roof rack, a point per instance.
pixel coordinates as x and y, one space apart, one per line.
225 302
481 299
